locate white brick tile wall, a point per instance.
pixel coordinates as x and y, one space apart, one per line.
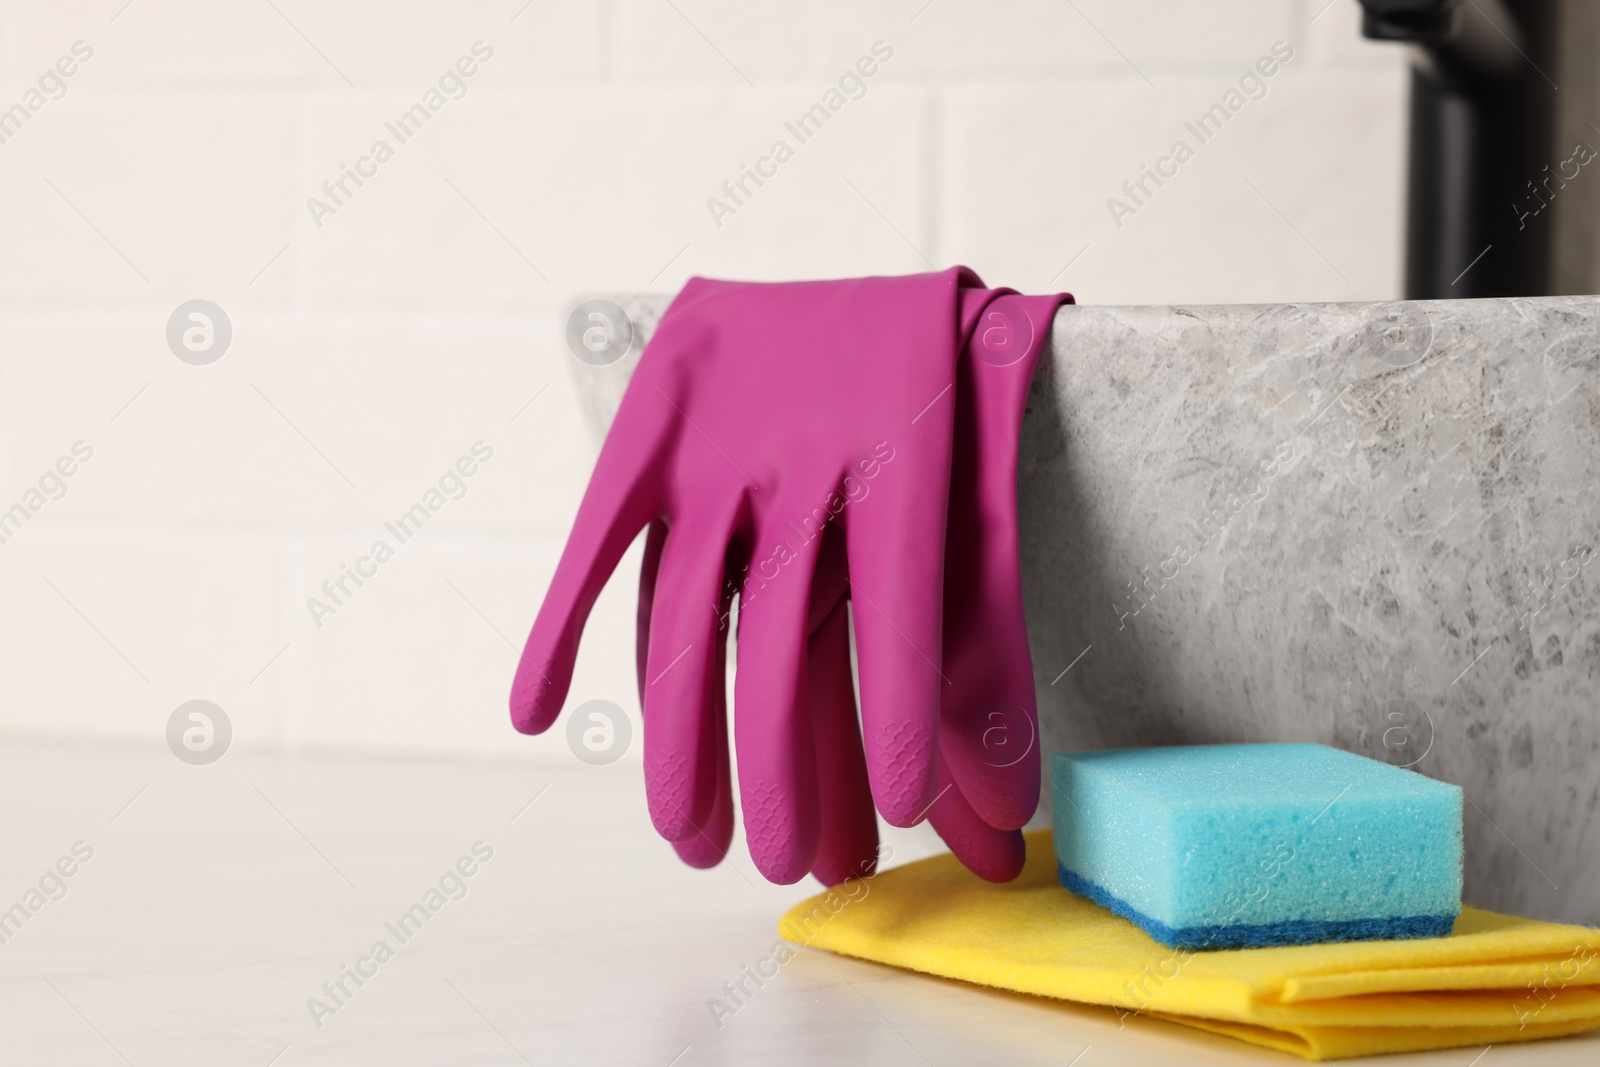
183 42
128 203
1160 36
770 40
108 630
1210 232
305 44
421 656
269 434
1332 32
413 321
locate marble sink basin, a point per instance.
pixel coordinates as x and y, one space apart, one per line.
1369 525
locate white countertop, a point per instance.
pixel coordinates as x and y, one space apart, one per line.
221 898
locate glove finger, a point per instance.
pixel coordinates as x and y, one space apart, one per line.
848 847
895 539
993 855
988 720
619 501
777 754
994 757
655 537
679 773
709 846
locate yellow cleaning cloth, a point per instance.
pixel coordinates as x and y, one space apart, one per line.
1496 979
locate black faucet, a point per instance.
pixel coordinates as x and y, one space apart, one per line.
1485 167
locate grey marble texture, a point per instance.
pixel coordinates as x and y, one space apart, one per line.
1369 525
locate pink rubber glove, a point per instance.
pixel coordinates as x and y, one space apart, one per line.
989 716
730 368
750 410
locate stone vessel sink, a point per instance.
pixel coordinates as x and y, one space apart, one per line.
1369 525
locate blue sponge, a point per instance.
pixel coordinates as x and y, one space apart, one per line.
1232 846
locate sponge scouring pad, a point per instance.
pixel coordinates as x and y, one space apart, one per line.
1230 846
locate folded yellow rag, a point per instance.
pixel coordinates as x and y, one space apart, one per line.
1495 979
